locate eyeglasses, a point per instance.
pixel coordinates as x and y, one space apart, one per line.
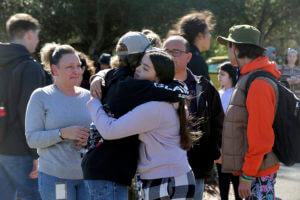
175 52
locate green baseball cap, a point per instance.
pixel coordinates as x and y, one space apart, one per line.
242 34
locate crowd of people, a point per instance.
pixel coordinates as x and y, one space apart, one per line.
289 68
74 129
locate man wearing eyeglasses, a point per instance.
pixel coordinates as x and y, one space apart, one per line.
205 105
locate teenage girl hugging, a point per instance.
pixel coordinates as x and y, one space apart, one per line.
162 129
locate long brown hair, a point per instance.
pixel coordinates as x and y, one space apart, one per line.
163 64
165 71
186 140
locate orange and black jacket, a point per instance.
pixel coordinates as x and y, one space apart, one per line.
260 104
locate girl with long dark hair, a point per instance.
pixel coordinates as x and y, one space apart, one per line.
162 131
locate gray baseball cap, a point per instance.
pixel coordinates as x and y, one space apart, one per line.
132 43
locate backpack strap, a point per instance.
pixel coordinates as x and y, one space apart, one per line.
262 74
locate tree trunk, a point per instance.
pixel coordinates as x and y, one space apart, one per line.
262 25
100 15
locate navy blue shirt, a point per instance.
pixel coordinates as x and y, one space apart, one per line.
197 64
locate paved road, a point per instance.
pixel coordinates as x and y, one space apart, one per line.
287 186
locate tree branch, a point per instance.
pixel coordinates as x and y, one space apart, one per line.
100 15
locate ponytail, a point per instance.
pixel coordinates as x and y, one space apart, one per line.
46 54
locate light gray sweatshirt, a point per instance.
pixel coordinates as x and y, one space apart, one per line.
157 124
48 111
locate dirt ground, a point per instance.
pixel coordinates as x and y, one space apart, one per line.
212 193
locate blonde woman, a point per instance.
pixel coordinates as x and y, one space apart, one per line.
56 125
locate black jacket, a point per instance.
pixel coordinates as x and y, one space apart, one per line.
208 119
116 160
197 64
20 76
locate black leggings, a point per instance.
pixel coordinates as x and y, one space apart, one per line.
224 183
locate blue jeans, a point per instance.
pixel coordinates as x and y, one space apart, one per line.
75 189
14 176
106 190
199 189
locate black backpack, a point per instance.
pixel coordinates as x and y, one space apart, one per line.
286 124
5 77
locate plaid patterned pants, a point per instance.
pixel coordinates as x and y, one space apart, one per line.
179 187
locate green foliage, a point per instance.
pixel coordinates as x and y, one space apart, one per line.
94 26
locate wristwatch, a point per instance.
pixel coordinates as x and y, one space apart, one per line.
60 135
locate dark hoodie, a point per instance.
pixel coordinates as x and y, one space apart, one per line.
208 118
20 75
116 160
197 64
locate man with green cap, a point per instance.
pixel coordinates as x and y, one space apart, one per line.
248 136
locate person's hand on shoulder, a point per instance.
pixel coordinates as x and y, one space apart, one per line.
95 87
